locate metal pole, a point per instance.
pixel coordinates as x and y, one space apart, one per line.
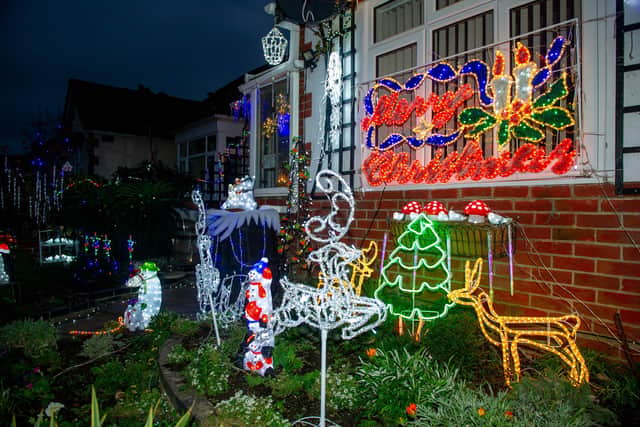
323 375
215 323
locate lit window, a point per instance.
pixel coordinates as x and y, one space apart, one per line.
273 136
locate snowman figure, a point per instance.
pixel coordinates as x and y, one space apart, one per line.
240 195
258 312
258 356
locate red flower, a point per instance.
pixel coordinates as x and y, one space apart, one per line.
371 352
508 414
481 412
411 410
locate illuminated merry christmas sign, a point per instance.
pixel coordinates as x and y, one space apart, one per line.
506 106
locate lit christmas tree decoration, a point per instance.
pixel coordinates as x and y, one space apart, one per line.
404 286
4 275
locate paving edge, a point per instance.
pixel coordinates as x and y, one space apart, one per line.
181 395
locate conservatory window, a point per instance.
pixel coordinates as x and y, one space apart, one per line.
396 17
273 135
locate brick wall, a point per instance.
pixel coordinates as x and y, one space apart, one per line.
574 251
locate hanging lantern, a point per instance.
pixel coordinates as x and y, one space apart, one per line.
274 45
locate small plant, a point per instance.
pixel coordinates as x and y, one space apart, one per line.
98 346
185 327
179 355
245 410
36 339
209 371
394 379
457 339
343 391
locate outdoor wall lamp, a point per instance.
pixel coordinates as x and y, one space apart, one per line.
310 58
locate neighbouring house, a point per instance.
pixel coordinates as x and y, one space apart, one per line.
213 147
530 106
124 127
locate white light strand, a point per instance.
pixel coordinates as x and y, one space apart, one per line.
333 90
240 195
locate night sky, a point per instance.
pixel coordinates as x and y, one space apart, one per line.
182 48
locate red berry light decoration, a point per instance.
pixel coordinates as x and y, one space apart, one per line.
477 211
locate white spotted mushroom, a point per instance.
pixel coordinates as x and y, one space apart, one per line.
477 211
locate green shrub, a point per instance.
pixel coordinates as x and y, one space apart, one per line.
185 327
97 346
246 410
343 391
209 371
457 339
284 355
393 379
36 339
179 355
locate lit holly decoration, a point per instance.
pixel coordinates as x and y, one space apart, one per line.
516 113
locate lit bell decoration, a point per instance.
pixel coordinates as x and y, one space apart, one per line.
274 45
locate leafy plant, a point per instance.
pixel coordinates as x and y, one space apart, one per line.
98 346
209 371
36 339
394 379
185 327
245 410
179 355
458 340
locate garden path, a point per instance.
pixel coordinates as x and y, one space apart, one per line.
179 296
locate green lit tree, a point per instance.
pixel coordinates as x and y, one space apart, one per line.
416 279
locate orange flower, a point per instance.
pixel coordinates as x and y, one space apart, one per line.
481 411
508 414
411 410
371 352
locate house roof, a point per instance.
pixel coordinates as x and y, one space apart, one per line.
134 112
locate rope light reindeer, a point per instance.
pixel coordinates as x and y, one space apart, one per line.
555 335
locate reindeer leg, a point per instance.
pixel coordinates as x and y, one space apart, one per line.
505 360
515 358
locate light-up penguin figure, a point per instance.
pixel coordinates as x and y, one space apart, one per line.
139 313
258 346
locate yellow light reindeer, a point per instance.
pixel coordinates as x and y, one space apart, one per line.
556 335
360 269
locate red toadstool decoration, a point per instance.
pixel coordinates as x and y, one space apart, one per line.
477 211
436 210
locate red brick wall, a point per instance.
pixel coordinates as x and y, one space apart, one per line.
574 252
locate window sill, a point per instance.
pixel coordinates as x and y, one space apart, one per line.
546 181
271 192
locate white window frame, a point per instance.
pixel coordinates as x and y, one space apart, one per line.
289 70
597 75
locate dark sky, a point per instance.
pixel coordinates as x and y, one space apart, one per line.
183 48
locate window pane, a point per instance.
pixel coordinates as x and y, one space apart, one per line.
396 17
196 166
444 3
196 147
273 136
211 143
397 60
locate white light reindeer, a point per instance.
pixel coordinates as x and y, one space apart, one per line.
556 335
334 305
